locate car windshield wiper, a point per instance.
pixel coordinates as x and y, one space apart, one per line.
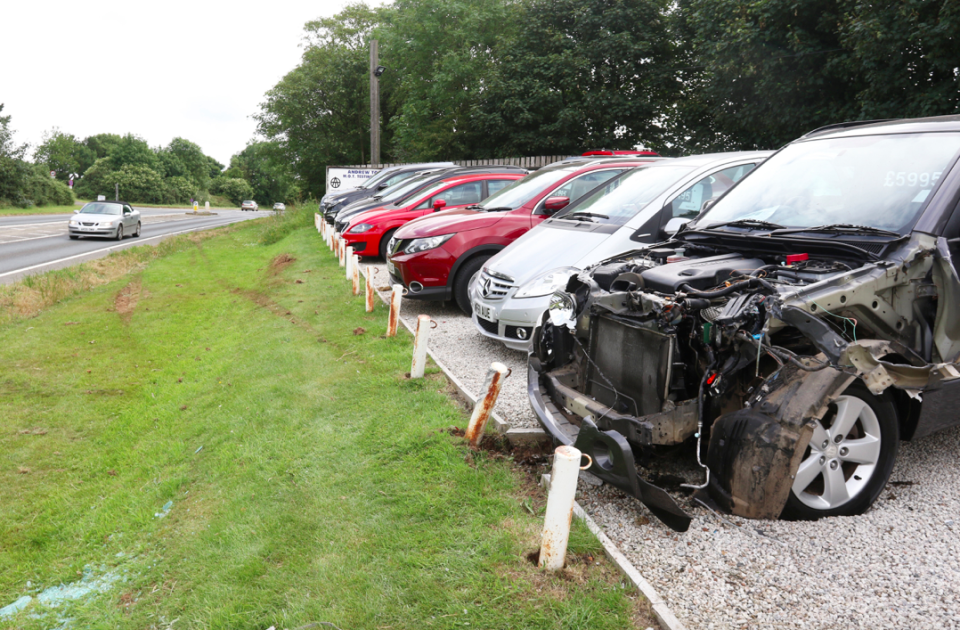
584 216
494 209
746 223
841 227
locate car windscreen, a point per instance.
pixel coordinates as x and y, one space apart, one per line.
880 181
372 182
620 199
525 189
405 188
114 209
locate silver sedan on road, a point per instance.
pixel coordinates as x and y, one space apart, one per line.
112 219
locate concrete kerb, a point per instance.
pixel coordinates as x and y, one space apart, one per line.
668 621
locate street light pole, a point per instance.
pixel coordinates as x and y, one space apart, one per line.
374 103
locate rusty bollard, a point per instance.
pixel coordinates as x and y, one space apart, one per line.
394 317
355 273
341 251
497 373
316 221
368 281
348 261
424 324
559 514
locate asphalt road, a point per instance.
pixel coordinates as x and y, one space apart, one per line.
38 243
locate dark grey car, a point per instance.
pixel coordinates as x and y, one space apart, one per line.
805 324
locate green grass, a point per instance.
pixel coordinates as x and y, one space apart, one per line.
310 480
7 212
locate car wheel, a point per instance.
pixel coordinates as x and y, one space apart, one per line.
136 234
74 237
384 242
461 283
849 459
120 232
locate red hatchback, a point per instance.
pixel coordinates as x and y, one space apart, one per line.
369 232
436 256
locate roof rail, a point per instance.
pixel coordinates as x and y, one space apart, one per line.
845 125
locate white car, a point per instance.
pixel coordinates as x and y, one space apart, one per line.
637 208
249 205
112 219
279 206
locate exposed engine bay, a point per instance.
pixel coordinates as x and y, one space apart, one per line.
756 350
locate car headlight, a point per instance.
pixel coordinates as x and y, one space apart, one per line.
562 308
423 244
360 228
546 283
74 222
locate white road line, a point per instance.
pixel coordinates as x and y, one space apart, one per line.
106 249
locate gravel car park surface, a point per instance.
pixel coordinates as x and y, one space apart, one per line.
897 566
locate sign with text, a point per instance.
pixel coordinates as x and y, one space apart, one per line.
342 179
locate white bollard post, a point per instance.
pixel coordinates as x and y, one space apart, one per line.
348 262
355 273
559 514
368 281
316 223
340 256
394 316
424 324
497 373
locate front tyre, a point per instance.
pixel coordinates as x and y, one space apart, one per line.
461 284
119 236
384 243
849 459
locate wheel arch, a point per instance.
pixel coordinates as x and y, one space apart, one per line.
488 249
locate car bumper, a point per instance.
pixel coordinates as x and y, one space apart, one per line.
363 244
86 231
509 321
424 274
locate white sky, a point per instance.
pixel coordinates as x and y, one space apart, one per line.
197 69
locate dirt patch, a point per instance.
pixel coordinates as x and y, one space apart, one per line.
279 263
126 300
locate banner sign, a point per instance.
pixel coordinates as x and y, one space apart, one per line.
340 179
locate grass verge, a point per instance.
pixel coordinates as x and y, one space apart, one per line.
222 438
9 212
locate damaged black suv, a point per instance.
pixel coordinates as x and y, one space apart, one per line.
796 331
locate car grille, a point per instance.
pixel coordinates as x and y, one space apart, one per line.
493 288
490 327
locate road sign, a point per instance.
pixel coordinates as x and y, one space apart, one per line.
341 179
53 174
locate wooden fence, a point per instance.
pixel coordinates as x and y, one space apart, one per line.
531 163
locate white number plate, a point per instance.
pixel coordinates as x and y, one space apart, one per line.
390 268
484 311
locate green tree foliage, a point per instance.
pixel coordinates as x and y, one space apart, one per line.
318 113
132 151
581 74
262 165
13 170
441 56
139 183
63 153
908 55
233 188
42 190
182 158
102 143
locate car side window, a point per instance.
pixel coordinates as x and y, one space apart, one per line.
687 204
579 186
496 185
471 192
399 177
127 210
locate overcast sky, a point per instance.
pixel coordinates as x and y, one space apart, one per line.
197 69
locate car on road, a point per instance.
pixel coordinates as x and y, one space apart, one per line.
792 334
514 287
437 255
279 207
369 232
111 219
249 205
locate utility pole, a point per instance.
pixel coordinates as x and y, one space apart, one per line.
116 192
374 103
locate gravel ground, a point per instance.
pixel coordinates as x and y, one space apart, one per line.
898 566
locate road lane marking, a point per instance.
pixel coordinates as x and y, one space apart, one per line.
106 249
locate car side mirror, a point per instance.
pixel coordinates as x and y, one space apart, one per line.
553 204
707 204
76 212
439 204
381 186
673 225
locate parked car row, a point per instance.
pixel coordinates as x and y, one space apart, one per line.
791 313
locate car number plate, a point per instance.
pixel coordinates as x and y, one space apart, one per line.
390 268
484 311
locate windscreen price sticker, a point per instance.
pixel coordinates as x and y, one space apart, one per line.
910 180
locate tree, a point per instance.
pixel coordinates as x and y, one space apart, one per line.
14 172
102 143
581 74
764 72
132 150
263 166
233 188
63 153
317 114
185 159
908 54
440 55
